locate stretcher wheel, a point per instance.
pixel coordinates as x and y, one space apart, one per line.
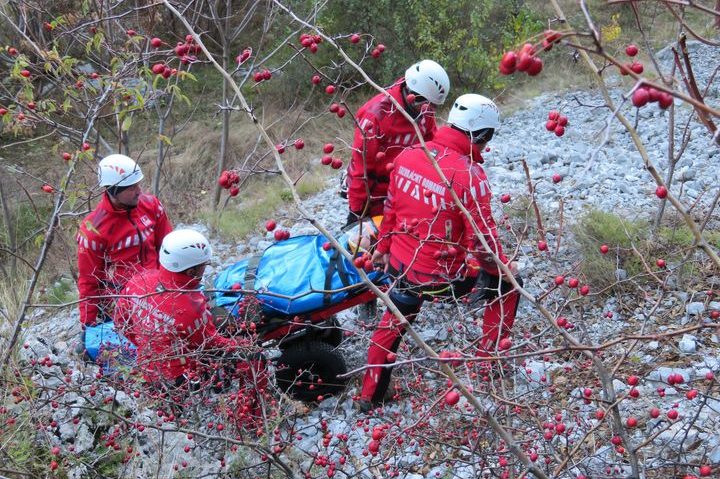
332 335
309 369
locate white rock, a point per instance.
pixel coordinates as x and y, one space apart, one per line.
688 344
695 308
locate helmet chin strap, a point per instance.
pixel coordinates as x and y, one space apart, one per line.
412 111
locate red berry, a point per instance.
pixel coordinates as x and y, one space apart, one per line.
336 164
559 130
640 97
380 47
660 263
299 144
637 67
330 89
654 413
156 42
585 290
280 148
334 107
553 115
542 245
131 33
562 120
66 156
354 38
557 178
505 344
375 53
234 191
316 79
508 62
661 192
672 414
604 249
523 62
633 380
550 125
505 198
452 398
326 160
158 68
270 225
705 471
631 50
12 51
631 422
53 465
535 67
559 280
47 188
665 100
3 111
328 148
279 235
341 112
25 73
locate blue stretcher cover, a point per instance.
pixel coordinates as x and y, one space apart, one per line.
107 347
296 268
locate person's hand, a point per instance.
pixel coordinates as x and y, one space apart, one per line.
514 269
381 260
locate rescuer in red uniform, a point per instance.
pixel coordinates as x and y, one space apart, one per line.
430 246
120 237
166 316
382 132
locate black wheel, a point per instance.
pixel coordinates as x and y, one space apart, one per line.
308 369
331 334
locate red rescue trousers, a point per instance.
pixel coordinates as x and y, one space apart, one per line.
500 310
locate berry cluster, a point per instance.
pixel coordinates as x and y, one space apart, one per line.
646 94
556 122
310 42
229 180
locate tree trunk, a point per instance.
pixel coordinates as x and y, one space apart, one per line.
222 158
717 17
9 227
160 157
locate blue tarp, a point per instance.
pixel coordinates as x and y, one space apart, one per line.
295 268
107 347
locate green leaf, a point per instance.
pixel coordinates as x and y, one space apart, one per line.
127 122
165 139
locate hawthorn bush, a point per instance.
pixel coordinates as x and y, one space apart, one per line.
589 386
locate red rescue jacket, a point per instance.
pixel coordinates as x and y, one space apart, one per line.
422 228
171 329
380 128
115 244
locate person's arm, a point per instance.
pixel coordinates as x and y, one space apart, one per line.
388 225
477 201
91 274
198 326
122 317
163 226
366 145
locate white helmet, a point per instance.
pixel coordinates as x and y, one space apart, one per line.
472 112
119 170
183 249
428 79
